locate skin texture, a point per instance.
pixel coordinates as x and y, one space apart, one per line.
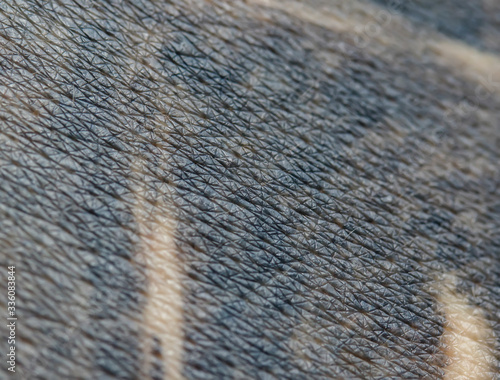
251 189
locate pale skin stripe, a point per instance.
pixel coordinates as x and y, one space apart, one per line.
468 340
163 309
482 67
373 26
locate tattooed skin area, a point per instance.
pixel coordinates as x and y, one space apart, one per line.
252 189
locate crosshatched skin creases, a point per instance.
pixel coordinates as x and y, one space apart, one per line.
255 189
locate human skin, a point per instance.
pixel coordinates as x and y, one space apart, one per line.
251 189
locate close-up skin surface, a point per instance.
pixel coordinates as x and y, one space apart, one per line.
258 189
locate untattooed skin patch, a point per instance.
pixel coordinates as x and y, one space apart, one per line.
468 340
162 317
